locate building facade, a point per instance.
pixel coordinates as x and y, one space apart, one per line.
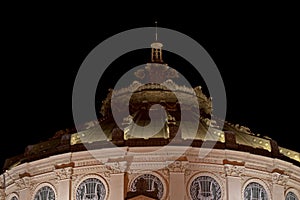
222 174
132 163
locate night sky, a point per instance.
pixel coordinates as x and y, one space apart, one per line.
256 52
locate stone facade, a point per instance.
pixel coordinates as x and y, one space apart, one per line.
172 173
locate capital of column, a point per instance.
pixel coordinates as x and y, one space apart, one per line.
234 170
280 179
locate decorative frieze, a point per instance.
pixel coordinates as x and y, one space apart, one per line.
93 169
88 163
205 167
137 167
206 160
147 158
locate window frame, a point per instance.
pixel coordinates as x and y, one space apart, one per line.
12 195
92 176
162 180
259 181
292 190
45 184
203 174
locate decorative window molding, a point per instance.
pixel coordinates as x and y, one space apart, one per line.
44 191
153 181
291 194
91 187
12 196
255 189
203 186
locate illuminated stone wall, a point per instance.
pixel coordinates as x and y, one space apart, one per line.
117 173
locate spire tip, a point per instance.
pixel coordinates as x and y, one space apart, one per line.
155 30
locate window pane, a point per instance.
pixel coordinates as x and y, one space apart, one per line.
91 189
205 188
255 191
45 193
291 196
148 183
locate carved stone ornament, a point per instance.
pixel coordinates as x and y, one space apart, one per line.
63 173
116 167
233 170
165 172
178 166
187 172
280 179
23 183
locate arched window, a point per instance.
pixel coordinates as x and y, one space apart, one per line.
91 189
255 191
14 198
148 183
45 193
205 188
291 196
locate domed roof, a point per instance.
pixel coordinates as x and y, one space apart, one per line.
150 114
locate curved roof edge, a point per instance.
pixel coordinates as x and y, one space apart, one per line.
61 143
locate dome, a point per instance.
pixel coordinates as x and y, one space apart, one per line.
153 111
126 128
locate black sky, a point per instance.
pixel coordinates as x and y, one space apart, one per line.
255 50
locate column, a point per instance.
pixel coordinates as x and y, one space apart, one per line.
2 194
2 187
24 194
177 186
63 178
279 181
116 179
116 186
234 175
24 186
